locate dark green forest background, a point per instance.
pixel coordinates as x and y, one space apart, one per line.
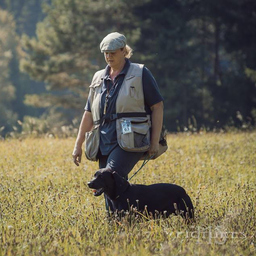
201 52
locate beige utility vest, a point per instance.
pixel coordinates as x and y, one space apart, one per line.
130 107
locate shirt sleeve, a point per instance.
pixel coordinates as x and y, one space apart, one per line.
151 91
88 105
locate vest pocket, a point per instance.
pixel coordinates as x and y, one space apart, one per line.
138 140
132 91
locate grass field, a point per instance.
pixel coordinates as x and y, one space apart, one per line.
46 207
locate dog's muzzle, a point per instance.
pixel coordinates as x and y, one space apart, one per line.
97 192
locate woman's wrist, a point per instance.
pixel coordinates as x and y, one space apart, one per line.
79 142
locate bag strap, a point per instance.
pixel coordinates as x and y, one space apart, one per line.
113 117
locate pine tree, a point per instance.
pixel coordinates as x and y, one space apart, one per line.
25 14
233 24
168 49
66 53
197 51
8 49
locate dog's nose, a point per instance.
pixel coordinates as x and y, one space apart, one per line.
89 184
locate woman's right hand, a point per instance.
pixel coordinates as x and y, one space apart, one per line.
77 155
85 126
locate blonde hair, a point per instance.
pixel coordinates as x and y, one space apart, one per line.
128 51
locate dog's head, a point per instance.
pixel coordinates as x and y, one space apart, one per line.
107 181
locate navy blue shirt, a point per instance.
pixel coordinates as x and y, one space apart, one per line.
108 137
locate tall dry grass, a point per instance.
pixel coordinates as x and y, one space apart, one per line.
47 209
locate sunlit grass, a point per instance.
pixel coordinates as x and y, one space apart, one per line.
46 207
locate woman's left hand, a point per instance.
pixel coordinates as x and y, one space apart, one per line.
154 147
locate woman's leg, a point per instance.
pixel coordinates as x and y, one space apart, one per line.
121 162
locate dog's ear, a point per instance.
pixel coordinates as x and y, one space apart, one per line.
121 183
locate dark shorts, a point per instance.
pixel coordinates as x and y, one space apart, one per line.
120 161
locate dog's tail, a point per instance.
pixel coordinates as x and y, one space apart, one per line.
186 207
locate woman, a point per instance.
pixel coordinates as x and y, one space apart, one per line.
124 106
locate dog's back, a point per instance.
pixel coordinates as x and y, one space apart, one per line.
161 197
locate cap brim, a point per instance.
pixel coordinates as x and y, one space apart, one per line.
109 50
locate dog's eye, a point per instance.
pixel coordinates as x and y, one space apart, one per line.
98 176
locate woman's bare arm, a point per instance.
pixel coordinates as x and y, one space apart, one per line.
86 125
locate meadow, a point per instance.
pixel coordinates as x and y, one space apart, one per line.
46 207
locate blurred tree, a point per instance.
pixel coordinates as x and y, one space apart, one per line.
169 48
9 47
198 50
66 52
26 14
234 36
190 47
240 41
252 75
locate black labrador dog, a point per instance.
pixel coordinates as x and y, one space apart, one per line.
157 199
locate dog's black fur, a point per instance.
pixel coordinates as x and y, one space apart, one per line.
162 198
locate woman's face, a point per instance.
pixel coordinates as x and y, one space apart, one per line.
115 59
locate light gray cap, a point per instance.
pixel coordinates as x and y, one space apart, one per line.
112 42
